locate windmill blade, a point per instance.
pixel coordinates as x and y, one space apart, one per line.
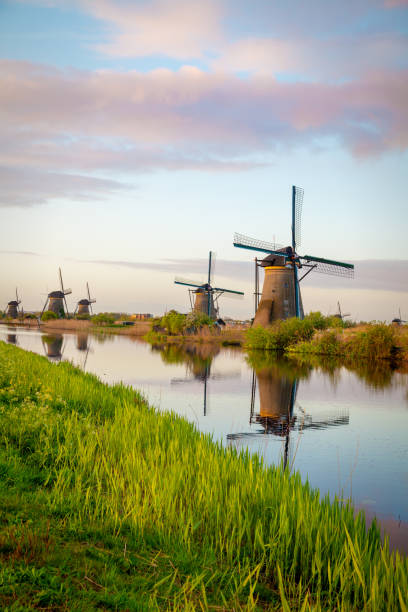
87 288
62 284
329 266
186 281
211 266
297 202
67 291
46 302
229 291
17 300
66 305
246 242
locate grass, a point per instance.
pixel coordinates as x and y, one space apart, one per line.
107 504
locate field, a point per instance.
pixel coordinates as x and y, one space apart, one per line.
107 504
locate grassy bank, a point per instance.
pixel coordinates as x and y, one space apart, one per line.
319 335
107 504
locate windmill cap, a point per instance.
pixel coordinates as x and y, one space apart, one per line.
56 294
203 288
13 303
273 260
84 302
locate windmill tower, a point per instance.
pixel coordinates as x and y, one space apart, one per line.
12 307
205 295
56 299
84 307
281 297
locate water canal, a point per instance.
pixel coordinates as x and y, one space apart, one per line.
345 431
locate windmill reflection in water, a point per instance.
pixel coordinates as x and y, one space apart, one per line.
277 402
198 359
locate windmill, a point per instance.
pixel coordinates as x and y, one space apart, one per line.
56 299
339 314
83 306
398 320
12 307
281 297
206 296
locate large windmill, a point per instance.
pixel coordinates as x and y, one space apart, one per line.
83 306
206 296
12 307
281 297
56 299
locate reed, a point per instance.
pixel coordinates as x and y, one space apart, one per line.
206 527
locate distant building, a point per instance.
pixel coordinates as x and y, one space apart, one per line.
141 316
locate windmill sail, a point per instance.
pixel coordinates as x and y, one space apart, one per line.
246 242
329 266
297 203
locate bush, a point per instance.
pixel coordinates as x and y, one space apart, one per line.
281 335
377 341
49 315
82 317
103 318
173 322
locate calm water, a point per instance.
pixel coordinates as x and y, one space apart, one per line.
345 431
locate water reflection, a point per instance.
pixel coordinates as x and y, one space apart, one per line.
82 340
198 359
53 346
277 380
12 335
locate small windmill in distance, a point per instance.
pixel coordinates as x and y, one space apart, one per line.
339 314
281 297
12 310
56 299
398 320
84 307
206 296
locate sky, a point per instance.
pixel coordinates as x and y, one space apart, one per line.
136 136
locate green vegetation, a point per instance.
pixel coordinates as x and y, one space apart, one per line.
103 318
49 315
319 335
83 317
376 341
107 504
174 323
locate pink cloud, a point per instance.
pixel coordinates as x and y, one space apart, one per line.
76 121
177 28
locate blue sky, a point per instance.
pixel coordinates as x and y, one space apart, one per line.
143 134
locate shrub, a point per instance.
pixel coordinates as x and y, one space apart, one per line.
377 341
173 322
83 317
49 315
103 318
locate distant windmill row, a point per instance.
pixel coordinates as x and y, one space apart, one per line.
55 302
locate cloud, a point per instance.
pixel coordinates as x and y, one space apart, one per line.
182 29
78 123
24 187
381 275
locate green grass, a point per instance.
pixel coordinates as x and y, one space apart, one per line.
106 504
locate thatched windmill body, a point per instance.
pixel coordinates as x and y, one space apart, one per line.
12 310
205 295
84 306
281 297
56 301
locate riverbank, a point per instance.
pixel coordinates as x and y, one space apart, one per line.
108 504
